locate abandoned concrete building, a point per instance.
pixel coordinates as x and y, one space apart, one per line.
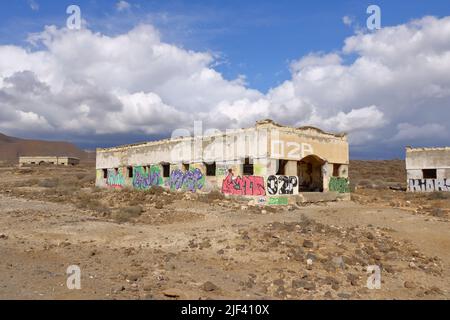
428 169
269 162
48 160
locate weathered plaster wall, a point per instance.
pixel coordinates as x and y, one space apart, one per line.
427 158
235 146
228 152
420 159
291 144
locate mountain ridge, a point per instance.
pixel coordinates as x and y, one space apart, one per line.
11 148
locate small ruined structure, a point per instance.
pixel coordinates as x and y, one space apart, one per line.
48 160
428 169
269 162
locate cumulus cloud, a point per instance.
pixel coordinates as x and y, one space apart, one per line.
122 5
33 5
86 83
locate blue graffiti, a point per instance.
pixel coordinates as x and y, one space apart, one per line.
191 180
144 180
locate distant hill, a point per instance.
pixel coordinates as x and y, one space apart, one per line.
11 148
377 173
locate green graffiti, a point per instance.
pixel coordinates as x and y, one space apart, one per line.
278 201
147 177
115 179
340 185
221 171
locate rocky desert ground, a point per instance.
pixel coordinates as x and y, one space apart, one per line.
160 245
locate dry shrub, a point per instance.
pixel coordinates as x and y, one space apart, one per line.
69 181
210 197
33 182
21 183
156 190
438 212
23 171
380 184
438 196
365 183
87 179
127 214
67 190
48 183
80 175
88 202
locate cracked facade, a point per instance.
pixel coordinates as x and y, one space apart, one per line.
272 163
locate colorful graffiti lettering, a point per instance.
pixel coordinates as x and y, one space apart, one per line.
261 201
191 180
278 201
282 185
246 186
99 175
221 171
115 179
340 185
145 179
429 185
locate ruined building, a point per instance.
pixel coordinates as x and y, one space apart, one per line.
273 164
428 169
48 160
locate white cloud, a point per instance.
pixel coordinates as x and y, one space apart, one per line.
348 21
122 5
33 5
89 83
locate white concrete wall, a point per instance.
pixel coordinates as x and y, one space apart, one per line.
243 143
427 158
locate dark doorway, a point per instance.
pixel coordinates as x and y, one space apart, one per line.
309 171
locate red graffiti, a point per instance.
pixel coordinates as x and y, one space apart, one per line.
245 186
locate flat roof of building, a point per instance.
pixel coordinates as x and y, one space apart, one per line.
411 149
40 157
261 123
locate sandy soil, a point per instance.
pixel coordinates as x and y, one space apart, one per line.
188 247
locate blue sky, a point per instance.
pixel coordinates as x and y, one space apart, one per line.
260 56
252 37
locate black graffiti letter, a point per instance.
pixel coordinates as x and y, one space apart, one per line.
272 185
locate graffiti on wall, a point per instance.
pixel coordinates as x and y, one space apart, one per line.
145 178
340 185
191 180
429 185
221 171
99 175
282 185
260 169
244 186
290 150
261 201
278 201
115 178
